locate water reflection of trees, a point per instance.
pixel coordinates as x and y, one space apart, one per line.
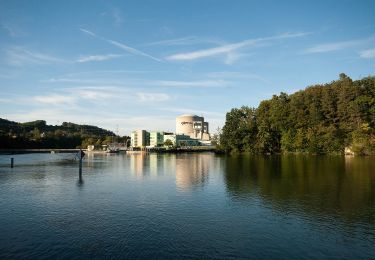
324 185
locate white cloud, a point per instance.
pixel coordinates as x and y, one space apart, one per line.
178 41
130 123
132 50
237 75
189 40
232 57
86 81
329 47
185 110
8 74
94 95
13 30
20 56
202 83
69 97
5 100
113 106
152 97
337 46
91 76
121 46
98 57
228 48
141 83
367 54
55 99
104 119
206 52
67 80
166 30
88 32
104 96
117 16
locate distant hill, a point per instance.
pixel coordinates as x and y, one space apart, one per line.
37 134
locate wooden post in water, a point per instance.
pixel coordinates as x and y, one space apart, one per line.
80 164
11 162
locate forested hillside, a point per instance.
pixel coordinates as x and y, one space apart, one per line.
320 119
38 134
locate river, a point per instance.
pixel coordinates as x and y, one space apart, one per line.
187 206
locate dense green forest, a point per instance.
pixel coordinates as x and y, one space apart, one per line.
320 119
38 134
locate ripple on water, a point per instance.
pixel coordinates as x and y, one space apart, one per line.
187 206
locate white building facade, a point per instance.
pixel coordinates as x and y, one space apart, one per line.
140 138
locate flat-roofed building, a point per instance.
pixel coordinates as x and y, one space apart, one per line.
156 139
180 140
140 138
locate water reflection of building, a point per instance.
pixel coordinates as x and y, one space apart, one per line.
137 164
146 164
191 170
156 164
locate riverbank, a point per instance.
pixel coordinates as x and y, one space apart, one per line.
146 150
21 151
174 149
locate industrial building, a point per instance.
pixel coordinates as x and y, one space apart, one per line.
156 139
193 126
191 130
181 140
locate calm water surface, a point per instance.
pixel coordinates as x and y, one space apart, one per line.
187 206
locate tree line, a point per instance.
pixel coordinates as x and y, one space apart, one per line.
38 135
319 119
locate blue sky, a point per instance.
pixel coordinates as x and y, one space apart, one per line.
139 64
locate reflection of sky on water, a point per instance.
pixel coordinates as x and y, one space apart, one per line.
197 205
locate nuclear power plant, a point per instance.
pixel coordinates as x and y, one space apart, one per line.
191 130
193 126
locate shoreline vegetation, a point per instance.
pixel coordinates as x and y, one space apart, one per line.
39 135
334 118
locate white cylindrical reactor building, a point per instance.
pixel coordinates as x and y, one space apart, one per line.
185 124
192 125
